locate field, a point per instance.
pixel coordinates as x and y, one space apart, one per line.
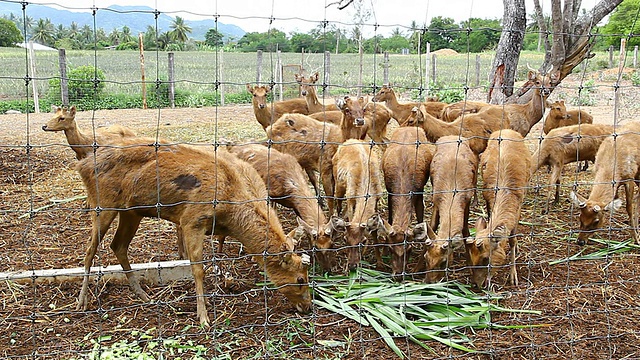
588 308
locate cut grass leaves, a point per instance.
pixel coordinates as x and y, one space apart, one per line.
417 311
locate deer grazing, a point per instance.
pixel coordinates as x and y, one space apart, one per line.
267 113
566 145
453 178
287 185
617 164
204 194
360 119
473 127
505 170
308 90
405 164
522 117
82 144
312 143
558 116
357 180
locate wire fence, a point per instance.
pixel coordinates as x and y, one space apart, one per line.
322 273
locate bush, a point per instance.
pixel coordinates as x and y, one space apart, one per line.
84 81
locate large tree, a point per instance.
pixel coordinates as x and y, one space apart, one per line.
9 33
180 30
571 44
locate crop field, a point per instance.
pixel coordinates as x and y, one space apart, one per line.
572 301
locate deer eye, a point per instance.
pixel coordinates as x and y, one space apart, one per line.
301 280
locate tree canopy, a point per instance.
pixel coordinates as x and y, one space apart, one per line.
9 33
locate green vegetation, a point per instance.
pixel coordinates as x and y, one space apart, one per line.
9 33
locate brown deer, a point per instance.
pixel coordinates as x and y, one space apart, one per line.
65 120
205 194
399 111
308 90
266 113
617 164
566 145
473 127
312 143
522 117
453 178
357 180
360 119
505 171
558 116
405 164
464 107
287 185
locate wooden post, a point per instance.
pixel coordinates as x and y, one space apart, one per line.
434 61
623 45
427 62
144 85
385 73
64 82
635 56
259 67
610 56
221 77
327 73
360 69
32 65
477 69
279 73
172 84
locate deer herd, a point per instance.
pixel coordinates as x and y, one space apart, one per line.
319 156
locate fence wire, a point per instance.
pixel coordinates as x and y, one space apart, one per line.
183 165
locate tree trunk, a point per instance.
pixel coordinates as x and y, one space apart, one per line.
504 66
567 50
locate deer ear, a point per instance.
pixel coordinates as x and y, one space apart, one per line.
297 77
578 200
481 224
499 233
340 103
289 122
72 111
314 77
614 205
249 88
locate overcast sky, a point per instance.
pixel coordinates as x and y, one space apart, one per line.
303 15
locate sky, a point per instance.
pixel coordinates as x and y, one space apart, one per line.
304 15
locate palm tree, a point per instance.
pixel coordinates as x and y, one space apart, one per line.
74 30
115 36
126 34
86 35
150 37
43 32
164 39
180 30
61 32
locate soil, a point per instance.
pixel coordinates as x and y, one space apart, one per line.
588 309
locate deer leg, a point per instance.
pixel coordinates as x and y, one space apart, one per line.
635 216
314 182
629 192
194 238
99 227
418 205
128 224
390 207
180 241
513 245
435 219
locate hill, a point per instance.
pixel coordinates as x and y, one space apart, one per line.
137 18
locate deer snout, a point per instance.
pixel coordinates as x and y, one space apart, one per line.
358 122
303 308
303 92
262 106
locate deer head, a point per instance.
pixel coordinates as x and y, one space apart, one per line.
488 247
259 95
385 93
63 119
352 110
293 271
592 214
323 238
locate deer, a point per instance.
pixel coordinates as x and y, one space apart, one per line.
204 194
65 120
505 171
360 119
566 145
287 185
558 116
522 117
453 178
312 143
357 180
268 113
617 165
472 127
455 110
308 90
405 164
401 111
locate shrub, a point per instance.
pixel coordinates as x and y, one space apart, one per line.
84 81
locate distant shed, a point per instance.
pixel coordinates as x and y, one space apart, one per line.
36 46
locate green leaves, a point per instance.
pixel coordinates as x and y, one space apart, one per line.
613 247
417 311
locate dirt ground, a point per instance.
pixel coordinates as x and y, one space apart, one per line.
588 308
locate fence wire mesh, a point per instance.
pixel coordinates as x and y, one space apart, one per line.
437 284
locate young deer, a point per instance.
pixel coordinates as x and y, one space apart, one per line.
81 144
312 143
566 145
357 180
505 170
453 178
558 116
360 119
266 113
405 164
617 164
123 181
287 185
465 107
308 90
399 111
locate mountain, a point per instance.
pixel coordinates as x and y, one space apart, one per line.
137 18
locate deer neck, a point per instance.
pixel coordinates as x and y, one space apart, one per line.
435 128
535 108
392 102
262 115
78 141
